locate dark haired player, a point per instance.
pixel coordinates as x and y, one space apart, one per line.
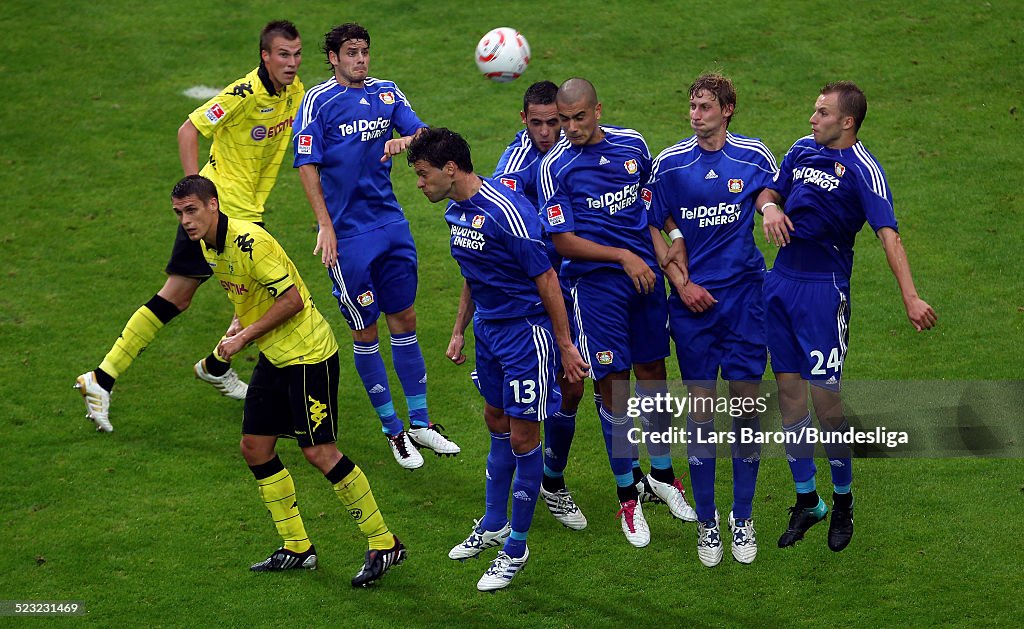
343 145
521 329
294 387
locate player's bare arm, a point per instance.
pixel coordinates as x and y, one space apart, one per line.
286 306
777 226
396 146
921 315
569 245
326 240
671 256
462 318
573 365
188 147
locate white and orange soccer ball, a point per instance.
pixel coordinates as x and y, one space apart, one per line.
502 54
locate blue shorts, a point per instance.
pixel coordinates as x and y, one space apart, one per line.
807 324
376 272
516 363
618 327
728 337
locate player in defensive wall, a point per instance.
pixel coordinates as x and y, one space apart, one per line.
250 122
702 192
343 147
521 332
517 170
294 387
827 187
590 200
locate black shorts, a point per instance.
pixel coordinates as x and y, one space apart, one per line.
187 258
299 401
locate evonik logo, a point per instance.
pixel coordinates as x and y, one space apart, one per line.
259 132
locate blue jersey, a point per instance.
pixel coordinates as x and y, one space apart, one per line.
594 191
495 238
828 195
517 168
343 131
711 195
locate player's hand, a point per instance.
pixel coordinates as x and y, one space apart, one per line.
230 346
921 315
327 246
777 226
234 328
573 365
395 146
454 351
696 298
642 275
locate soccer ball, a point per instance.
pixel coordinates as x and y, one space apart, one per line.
503 54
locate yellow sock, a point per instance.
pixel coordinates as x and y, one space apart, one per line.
278 494
354 492
138 333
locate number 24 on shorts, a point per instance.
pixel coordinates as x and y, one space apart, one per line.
835 361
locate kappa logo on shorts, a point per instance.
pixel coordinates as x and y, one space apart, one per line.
555 216
478 221
606 357
509 183
317 412
214 113
388 98
305 144
365 299
631 166
735 186
840 169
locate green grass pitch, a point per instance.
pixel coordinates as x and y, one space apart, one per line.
156 524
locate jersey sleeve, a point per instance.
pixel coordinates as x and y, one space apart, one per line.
782 181
270 266
553 199
653 197
529 252
875 196
233 103
766 167
307 133
405 119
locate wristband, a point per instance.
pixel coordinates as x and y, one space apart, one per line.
675 234
772 203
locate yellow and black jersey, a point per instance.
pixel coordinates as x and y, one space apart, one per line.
251 127
253 270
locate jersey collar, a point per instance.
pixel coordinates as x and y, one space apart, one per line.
264 75
222 231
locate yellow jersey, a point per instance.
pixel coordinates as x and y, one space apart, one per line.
253 270
251 126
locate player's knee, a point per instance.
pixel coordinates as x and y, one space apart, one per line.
164 309
525 440
323 457
366 335
254 452
402 322
572 394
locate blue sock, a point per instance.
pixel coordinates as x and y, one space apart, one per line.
839 458
501 465
800 453
702 466
525 488
615 443
559 430
371 370
654 422
412 373
746 461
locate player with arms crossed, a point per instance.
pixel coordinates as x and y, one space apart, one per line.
519 316
250 122
590 199
702 192
294 387
827 187
343 147
517 169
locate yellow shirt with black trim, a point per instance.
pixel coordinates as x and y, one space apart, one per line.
251 126
253 270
